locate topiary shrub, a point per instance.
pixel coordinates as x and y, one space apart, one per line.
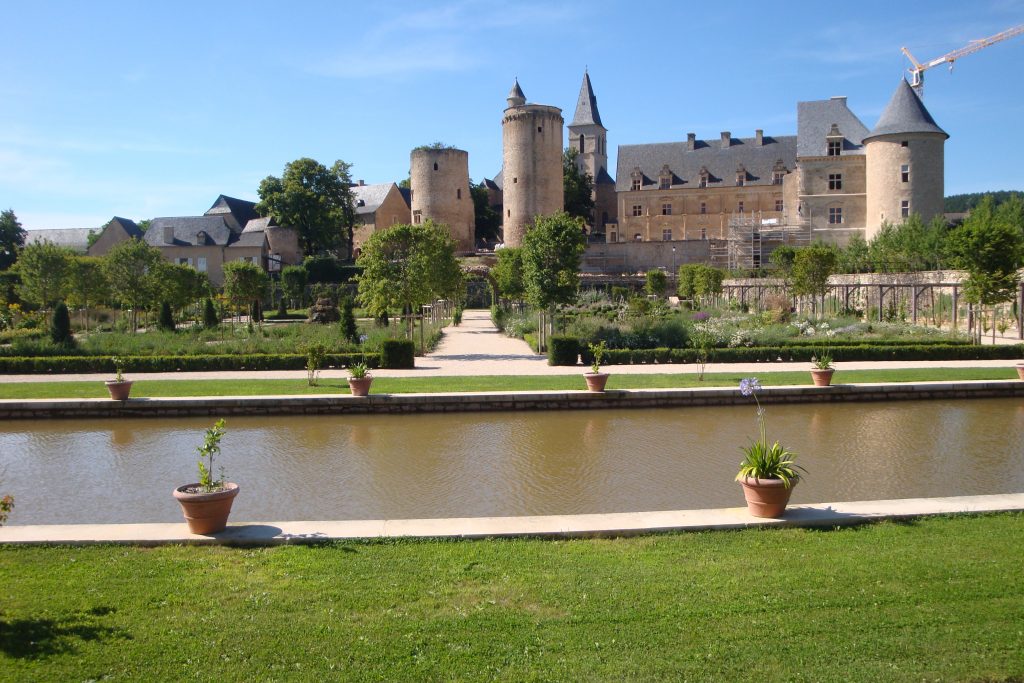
210 317
349 330
563 350
398 354
60 327
166 321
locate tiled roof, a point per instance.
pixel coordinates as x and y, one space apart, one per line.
258 225
905 113
814 121
586 106
76 239
722 163
368 198
241 210
186 229
128 224
249 239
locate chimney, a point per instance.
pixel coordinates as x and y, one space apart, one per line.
726 139
759 137
361 182
168 234
691 141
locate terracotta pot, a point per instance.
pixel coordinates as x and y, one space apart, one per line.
119 390
360 386
822 378
766 497
206 513
1020 371
596 381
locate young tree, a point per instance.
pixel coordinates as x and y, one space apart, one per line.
349 329
685 281
707 282
210 317
812 267
578 188
782 258
132 268
551 260
293 282
166 320
88 283
45 269
657 282
12 238
508 273
314 200
855 257
245 283
989 245
406 266
60 327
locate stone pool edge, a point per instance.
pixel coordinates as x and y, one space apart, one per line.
344 404
551 526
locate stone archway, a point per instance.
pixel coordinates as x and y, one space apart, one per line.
484 273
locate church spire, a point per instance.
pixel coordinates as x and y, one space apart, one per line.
586 106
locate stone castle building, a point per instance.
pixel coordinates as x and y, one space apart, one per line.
439 177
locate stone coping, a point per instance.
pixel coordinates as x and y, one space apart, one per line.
506 401
553 526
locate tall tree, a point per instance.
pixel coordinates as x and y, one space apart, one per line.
508 272
812 267
133 268
45 269
316 201
88 283
12 238
488 221
855 257
989 245
551 260
578 187
406 266
245 284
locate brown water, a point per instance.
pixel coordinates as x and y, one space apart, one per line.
481 464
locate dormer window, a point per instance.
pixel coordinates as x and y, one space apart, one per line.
665 178
360 202
777 177
834 148
704 177
636 179
741 176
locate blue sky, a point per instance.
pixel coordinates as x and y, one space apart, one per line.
144 109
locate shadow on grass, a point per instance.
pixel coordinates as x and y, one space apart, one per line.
33 638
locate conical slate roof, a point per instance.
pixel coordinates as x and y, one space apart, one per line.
905 113
586 106
515 95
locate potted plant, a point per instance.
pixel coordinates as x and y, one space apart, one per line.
360 379
822 369
119 387
207 503
767 472
596 380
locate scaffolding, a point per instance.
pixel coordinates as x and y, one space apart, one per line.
752 239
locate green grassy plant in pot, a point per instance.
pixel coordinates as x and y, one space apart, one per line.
596 380
207 503
821 364
119 387
768 472
359 379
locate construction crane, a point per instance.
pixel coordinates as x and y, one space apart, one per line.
917 71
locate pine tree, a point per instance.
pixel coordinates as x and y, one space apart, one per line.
166 322
349 330
210 317
60 328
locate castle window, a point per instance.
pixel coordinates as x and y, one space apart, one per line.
703 182
905 173
703 207
666 235
835 215
835 181
777 177
666 183
834 148
739 207
635 185
904 143
778 205
540 129
638 210
905 208
515 180
417 217
741 179
435 165
458 193
581 143
201 264
509 213
666 209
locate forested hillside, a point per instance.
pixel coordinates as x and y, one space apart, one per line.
959 203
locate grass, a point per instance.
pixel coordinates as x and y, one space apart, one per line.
387 385
883 602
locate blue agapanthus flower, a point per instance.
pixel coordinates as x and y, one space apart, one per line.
749 386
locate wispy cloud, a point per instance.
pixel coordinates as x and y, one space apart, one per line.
446 38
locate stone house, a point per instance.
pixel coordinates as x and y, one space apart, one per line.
378 206
115 231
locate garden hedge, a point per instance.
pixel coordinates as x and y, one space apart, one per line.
398 354
563 350
767 354
263 361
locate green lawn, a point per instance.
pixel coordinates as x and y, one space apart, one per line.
939 599
384 385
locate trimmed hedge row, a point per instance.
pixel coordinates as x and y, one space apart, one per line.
266 361
568 348
398 354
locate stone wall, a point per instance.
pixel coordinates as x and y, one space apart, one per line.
924 154
639 257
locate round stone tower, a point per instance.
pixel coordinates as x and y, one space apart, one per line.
905 155
531 136
439 178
